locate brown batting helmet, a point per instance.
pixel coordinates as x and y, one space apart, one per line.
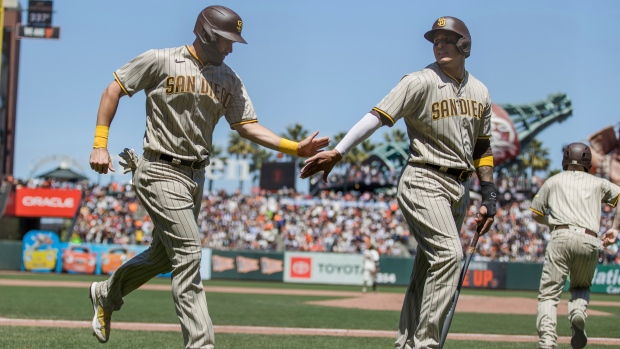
218 20
577 154
455 25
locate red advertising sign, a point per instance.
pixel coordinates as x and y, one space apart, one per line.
39 202
505 139
301 267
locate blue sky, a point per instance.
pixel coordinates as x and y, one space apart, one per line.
323 64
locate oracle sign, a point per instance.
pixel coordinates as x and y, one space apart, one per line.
62 203
504 140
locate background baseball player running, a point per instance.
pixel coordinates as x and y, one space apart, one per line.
570 203
371 266
188 89
448 117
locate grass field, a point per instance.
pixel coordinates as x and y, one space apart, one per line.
65 303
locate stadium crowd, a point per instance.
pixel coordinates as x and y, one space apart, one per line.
327 222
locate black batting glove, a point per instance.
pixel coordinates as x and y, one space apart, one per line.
489 197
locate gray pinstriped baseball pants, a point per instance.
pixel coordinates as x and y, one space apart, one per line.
434 205
569 251
172 196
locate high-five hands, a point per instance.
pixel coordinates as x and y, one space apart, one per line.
323 161
311 146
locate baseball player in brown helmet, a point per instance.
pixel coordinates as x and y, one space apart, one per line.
570 204
188 89
447 113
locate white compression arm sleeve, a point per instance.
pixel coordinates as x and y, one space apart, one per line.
359 133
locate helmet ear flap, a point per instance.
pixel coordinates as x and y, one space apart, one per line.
208 34
464 46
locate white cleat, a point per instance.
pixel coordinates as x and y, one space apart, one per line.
102 318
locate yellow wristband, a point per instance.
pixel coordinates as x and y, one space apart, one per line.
288 147
101 136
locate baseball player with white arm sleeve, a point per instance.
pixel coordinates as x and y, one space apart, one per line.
448 117
570 203
188 89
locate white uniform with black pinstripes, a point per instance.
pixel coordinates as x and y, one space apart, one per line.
444 119
184 102
570 198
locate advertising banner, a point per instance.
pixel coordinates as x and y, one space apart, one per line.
485 275
43 252
247 265
394 270
41 202
40 251
323 268
606 280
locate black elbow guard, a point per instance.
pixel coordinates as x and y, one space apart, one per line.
489 197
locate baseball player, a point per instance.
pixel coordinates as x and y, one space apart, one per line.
371 267
188 89
570 203
447 112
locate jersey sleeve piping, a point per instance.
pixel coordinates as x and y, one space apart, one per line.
537 212
243 123
485 137
385 115
121 84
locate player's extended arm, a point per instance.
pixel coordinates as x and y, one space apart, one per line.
100 160
259 134
325 161
611 235
483 161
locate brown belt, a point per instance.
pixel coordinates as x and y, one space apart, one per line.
195 165
461 175
566 226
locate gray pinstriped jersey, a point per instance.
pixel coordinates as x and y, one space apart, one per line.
574 198
185 100
444 118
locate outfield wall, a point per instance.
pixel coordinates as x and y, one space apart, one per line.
318 268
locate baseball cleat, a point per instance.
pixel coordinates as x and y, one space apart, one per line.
579 339
102 318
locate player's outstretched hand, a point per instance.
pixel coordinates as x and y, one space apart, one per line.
483 221
323 161
311 145
100 160
610 237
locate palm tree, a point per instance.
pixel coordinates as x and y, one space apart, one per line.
216 151
240 148
361 152
396 135
535 157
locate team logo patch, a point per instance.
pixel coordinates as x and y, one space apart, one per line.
441 22
239 25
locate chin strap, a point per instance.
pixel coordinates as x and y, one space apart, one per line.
214 56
